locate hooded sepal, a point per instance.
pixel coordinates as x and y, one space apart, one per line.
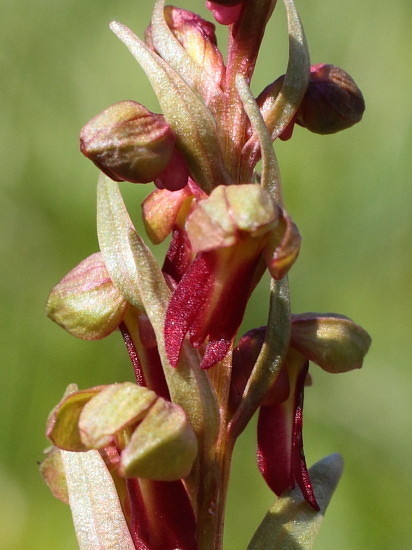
290 522
86 303
332 101
128 142
153 436
333 342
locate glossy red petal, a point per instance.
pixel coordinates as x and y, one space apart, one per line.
274 453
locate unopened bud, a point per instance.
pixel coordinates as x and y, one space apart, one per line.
85 302
163 446
128 142
332 101
333 342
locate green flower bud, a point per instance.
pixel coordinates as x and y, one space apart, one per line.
333 342
85 302
163 447
128 142
111 411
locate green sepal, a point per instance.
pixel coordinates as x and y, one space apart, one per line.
85 302
98 517
112 410
63 422
185 111
291 524
333 342
163 447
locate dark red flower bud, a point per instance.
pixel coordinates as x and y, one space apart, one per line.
332 101
128 142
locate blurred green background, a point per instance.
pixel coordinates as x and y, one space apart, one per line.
349 194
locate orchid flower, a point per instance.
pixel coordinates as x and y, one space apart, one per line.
145 465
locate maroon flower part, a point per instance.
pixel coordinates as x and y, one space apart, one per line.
234 232
129 143
280 455
332 101
337 345
227 12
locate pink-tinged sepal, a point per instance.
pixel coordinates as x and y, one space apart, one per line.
85 302
129 143
280 453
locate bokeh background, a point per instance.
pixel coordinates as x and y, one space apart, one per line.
350 195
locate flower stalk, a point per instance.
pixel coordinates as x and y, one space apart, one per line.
159 450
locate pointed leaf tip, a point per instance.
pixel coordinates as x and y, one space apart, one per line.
291 524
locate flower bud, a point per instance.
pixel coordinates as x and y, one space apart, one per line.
128 142
85 302
332 101
333 342
163 447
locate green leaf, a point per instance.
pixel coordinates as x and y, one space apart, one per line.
97 514
296 77
185 111
291 524
134 270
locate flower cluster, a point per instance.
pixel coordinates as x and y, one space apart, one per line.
158 451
